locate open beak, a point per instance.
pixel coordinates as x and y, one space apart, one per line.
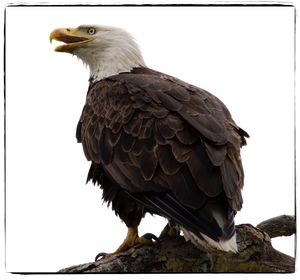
72 37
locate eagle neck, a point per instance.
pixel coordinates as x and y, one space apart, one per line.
112 62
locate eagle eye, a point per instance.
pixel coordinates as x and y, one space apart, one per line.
91 31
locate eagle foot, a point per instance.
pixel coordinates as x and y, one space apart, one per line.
169 231
132 239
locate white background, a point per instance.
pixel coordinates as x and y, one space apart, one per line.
243 55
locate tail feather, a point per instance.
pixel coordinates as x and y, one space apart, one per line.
205 242
210 226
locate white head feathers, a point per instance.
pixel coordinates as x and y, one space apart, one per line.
112 51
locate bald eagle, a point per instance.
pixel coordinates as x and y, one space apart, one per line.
156 143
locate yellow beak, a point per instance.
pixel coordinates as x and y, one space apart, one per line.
72 37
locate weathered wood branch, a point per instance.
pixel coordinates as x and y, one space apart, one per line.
283 225
256 254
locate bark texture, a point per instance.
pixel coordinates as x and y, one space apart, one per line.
256 254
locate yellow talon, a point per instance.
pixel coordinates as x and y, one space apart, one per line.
132 239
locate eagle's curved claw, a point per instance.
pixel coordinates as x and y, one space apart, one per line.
150 237
100 256
132 239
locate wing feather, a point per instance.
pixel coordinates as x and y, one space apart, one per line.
167 160
206 176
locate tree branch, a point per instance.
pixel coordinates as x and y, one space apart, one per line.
279 226
256 254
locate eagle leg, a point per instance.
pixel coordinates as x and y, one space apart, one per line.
132 239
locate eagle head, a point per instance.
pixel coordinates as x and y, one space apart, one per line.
106 50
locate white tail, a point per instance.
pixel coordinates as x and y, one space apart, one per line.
206 242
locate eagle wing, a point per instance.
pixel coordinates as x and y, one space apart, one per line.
172 146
